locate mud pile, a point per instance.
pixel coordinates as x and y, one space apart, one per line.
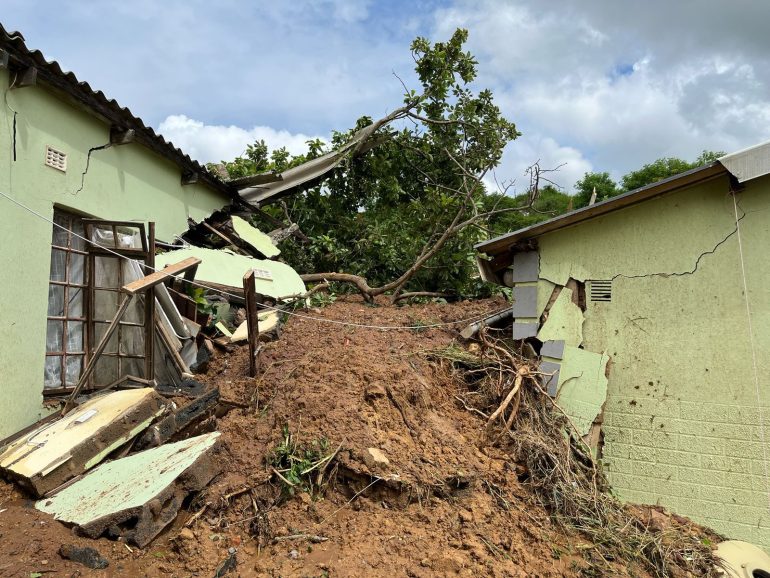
399 481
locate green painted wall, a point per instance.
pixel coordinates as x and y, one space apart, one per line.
681 421
126 182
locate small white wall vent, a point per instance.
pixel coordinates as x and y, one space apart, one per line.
600 290
56 159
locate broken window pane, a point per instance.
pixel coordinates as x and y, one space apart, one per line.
73 369
74 336
58 265
55 337
75 302
52 377
105 305
55 301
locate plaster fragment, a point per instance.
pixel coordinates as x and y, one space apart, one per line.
565 321
582 386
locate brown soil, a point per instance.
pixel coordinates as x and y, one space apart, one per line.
445 505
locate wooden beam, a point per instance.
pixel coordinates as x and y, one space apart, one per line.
252 321
149 310
160 276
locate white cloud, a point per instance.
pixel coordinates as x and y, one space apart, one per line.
214 143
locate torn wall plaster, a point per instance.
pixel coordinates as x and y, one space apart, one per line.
582 388
564 321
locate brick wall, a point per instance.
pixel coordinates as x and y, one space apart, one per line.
702 460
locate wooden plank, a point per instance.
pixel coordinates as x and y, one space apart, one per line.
149 310
160 276
252 322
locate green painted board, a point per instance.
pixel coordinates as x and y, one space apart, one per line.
126 483
226 268
255 238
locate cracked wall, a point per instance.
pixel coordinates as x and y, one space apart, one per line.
681 422
125 182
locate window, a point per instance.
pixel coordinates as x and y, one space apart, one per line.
65 336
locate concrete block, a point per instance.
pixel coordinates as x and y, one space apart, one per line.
525 301
554 349
526 266
523 330
134 498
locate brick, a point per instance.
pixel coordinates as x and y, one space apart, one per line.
643 437
703 445
665 440
677 458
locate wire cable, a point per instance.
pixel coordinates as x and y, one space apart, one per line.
264 305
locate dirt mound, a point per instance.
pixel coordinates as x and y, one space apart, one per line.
349 455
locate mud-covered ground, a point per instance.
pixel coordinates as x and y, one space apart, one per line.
444 504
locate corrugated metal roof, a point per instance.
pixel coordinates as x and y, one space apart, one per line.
503 243
96 102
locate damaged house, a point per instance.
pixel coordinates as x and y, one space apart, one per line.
70 155
651 315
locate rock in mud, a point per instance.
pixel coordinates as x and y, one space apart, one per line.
86 556
375 459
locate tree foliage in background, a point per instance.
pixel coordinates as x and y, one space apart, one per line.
653 172
382 211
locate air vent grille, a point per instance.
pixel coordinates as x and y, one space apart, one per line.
56 159
601 290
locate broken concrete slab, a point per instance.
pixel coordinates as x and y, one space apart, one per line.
59 451
582 386
254 237
222 267
135 497
268 321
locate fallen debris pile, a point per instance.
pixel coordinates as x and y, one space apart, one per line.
355 451
554 461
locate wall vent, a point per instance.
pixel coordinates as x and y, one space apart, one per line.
56 159
601 290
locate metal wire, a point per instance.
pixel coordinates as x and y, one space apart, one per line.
264 305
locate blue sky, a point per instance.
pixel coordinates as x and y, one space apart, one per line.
596 85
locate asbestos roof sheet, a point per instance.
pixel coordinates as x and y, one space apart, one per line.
254 237
273 279
96 102
305 173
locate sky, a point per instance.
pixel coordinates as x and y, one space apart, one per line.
593 85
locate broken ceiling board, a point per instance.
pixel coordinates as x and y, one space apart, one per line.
582 385
268 321
565 321
137 496
226 268
254 237
56 452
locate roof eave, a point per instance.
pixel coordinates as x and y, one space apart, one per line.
695 176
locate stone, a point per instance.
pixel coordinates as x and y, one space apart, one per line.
86 556
186 534
375 391
375 459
